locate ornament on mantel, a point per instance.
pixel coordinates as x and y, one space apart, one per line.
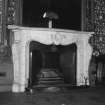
51 16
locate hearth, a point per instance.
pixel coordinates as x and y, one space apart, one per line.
51 64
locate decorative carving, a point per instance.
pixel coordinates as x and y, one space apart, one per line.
57 38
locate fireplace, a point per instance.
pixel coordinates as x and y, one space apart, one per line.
23 36
52 65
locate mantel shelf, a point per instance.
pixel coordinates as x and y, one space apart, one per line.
15 27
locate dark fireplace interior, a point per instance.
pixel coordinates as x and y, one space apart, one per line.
52 65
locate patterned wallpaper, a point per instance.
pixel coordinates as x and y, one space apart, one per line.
0 20
95 21
99 25
11 11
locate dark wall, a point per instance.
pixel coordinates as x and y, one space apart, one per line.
69 12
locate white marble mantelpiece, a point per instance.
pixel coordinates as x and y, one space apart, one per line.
22 36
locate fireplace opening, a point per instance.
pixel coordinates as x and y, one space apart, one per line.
52 65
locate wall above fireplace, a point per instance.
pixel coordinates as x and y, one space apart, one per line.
69 12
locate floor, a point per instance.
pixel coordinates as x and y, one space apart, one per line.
71 96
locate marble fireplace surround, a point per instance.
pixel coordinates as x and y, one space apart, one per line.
22 36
